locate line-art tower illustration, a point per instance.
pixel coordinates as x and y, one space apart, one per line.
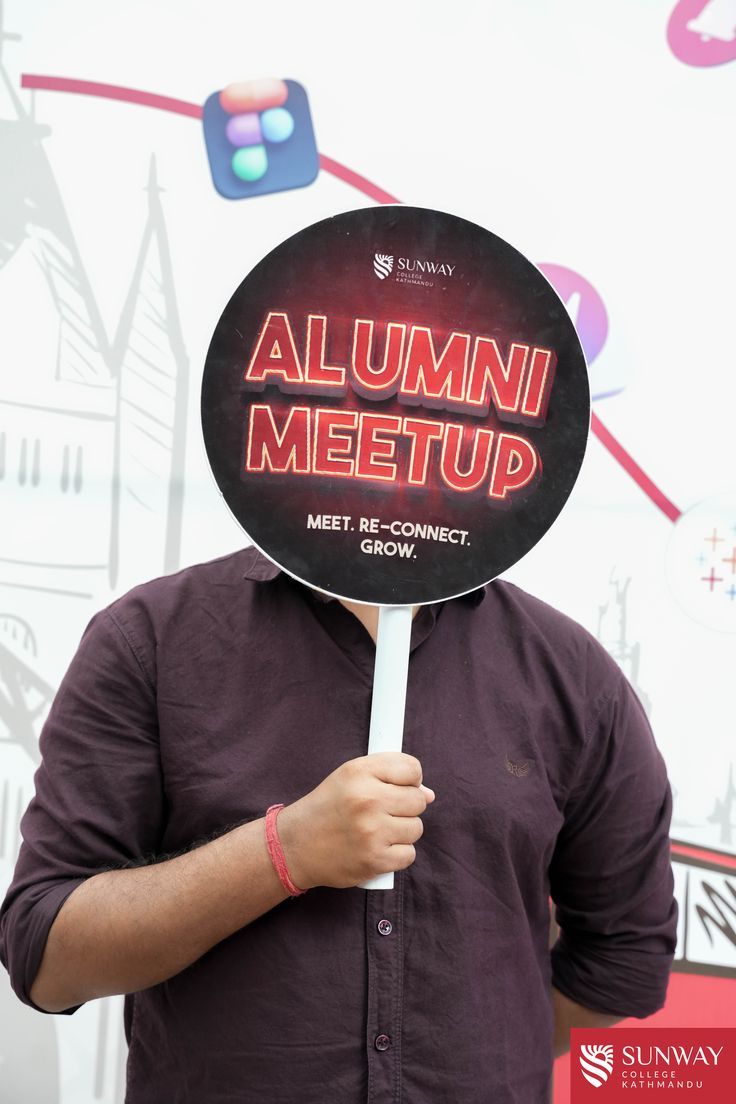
152 375
92 443
92 439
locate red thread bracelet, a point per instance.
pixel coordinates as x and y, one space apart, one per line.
276 852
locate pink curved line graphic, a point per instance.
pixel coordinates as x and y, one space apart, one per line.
630 466
111 92
355 180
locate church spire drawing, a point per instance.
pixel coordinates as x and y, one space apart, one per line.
151 412
32 211
92 439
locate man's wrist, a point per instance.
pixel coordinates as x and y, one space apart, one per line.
276 852
291 837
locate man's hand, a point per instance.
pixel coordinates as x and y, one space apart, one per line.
362 820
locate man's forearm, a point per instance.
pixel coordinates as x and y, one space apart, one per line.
568 1014
125 930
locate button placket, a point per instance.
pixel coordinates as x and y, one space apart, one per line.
385 978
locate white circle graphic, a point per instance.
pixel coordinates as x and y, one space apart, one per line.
701 562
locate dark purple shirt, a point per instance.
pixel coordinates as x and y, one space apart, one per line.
198 700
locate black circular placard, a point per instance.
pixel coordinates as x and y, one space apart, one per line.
395 405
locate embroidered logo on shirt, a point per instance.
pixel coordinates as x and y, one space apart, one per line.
596 1063
519 770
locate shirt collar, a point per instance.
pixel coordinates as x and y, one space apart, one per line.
259 569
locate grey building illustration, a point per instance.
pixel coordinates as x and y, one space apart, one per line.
91 475
91 498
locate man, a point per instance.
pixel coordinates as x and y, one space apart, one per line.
198 701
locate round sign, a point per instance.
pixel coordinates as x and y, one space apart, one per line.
395 405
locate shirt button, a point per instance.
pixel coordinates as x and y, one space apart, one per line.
382 1042
385 927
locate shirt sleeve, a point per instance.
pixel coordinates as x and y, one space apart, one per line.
611 874
98 800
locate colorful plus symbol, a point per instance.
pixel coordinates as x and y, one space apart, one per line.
714 539
731 592
731 559
700 559
712 579
259 138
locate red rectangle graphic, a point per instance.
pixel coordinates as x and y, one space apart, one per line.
653 1063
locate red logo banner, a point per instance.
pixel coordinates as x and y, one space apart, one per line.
655 1063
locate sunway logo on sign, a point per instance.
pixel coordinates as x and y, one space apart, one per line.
382 265
610 1065
411 270
428 268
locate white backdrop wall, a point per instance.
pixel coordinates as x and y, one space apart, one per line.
599 141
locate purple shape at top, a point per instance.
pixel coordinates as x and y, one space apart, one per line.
244 130
591 322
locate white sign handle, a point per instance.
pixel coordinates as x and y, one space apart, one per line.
389 695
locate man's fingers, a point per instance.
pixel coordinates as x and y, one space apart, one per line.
395 766
400 856
404 830
403 801
397 857
412 828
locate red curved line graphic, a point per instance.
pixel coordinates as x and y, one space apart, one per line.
355 180
193 111
630 466
111 92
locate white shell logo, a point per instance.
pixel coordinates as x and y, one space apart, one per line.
596 1063
382 265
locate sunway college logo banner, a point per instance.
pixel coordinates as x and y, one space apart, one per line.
400 440
657 1063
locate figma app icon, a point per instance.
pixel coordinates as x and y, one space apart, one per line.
259 138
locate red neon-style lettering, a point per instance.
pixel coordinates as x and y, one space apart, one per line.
493 380
476 468
278 451
377 383
316 372
375 454
330 446
539 384
515 465
429 378
422 433
275 356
